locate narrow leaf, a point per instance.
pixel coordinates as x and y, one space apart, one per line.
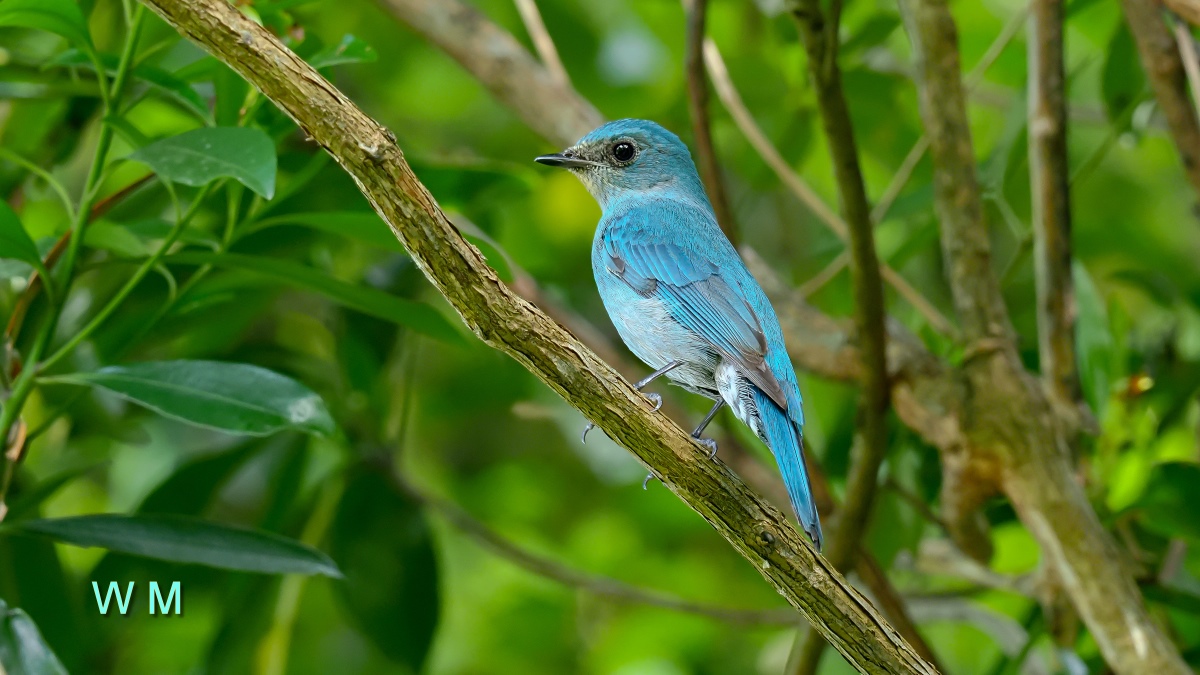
202 155
364 226
15 242
26 503
234 397
415 315
186 540
57 16
349 50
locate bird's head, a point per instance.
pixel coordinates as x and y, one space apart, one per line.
628 156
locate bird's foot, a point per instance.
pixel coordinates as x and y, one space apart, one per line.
646 481
655 399
708 443
586 429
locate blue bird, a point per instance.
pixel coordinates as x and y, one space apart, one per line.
680 296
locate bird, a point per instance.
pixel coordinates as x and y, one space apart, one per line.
680 296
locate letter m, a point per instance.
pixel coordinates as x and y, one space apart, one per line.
113 589
155 595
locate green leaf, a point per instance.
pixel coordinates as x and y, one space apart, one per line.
186 540
202 155
349 50
1122 80
1171 501
109 236
382 543
22 649
1093 341
234 397
14 240
871 34
57 16
364 226
415 315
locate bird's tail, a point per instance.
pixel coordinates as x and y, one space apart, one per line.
787 445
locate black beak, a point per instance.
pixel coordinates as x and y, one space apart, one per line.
561 160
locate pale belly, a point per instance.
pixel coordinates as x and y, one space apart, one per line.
647 328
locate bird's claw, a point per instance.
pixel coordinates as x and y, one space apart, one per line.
646 481
655 399
708 443
586 429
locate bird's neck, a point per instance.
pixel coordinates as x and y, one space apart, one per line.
684 189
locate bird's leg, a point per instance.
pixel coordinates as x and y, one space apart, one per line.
708 442
642 383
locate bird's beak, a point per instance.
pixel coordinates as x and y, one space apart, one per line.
561 160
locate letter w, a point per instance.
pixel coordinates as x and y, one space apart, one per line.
122 602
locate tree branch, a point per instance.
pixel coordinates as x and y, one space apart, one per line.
503 320
697 90
591 583
1164 69
1015 435
818 32
496 59
1049 177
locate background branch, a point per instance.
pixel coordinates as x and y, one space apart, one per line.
542 41
1049 176
818 32
697 90
542 100
590 583
1018 437
505 321
1164 69
797 185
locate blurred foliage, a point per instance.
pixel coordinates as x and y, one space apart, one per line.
246 350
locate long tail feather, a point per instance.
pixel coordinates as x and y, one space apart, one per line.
786 444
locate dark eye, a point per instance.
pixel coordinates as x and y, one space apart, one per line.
623 151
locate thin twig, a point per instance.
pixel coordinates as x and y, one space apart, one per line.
1191 64
797 185
818 280
1049 179
697 90
542 41
595 584
913 158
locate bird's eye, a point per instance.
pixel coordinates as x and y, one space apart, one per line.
623 151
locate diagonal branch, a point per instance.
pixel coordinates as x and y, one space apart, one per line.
1164 69
503 320
797 185
697 90
503 65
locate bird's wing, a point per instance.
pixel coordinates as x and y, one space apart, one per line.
699 299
